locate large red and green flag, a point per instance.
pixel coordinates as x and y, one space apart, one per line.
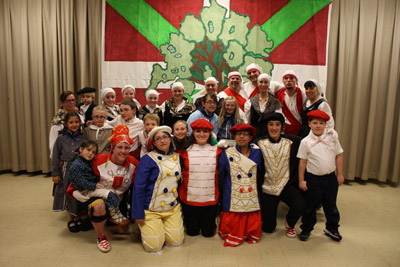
151 43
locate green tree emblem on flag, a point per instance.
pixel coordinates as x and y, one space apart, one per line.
211 46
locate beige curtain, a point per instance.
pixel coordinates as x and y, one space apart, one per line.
363 86
46 46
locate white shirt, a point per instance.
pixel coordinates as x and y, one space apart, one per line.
320 152
248 89
291 102
135 126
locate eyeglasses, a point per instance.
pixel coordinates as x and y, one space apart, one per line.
160 138
69 101
243 133
210 102
99 117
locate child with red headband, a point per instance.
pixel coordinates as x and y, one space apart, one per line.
320 155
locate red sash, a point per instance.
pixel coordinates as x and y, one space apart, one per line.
255 91
240 99
295 125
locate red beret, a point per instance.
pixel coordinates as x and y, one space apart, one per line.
318 114
202 124
243 127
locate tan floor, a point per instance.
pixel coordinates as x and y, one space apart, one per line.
32 235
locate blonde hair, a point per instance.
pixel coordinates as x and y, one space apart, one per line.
152 116
100 108
183 122
222 114
91 94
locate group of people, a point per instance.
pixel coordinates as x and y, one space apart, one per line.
172 169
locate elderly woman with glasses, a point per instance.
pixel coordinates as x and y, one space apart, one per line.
154 200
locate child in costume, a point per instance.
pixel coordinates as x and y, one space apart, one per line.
320 155
99 131
127 117
150 121
228 117
64 153
108 98
180 131
154 203
199 192
240 169
85 182
152 104
280 182
86 106
129 92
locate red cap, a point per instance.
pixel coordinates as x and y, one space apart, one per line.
120 134
318 114
202 124
243 127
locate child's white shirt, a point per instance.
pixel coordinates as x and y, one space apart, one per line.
135 126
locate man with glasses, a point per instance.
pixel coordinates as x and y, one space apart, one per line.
206 111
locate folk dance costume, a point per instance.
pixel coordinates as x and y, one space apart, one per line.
143 111
257 113
155 200
64 153
241 218
199 192
171 113
145 143
291 106
100 135
320 153
135 126
280 181
112 112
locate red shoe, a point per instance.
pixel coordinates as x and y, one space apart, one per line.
290 232
102 244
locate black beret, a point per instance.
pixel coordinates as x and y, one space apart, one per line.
86 90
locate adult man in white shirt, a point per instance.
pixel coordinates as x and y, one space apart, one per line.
292 99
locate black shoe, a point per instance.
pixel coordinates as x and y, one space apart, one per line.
73 226
333 234
303 236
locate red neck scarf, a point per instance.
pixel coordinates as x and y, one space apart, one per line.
240 99
294 126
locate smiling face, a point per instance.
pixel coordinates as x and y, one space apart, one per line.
129 93
263 84
317 126
211 88
201 136
177 94
180 131
120 152
253 75
69 103
274 129
234 82
149 124
88 152
109 99
230 106
243 138
162 141
126 112
312 93
152 100
73 124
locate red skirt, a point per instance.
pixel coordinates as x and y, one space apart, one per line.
238 227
